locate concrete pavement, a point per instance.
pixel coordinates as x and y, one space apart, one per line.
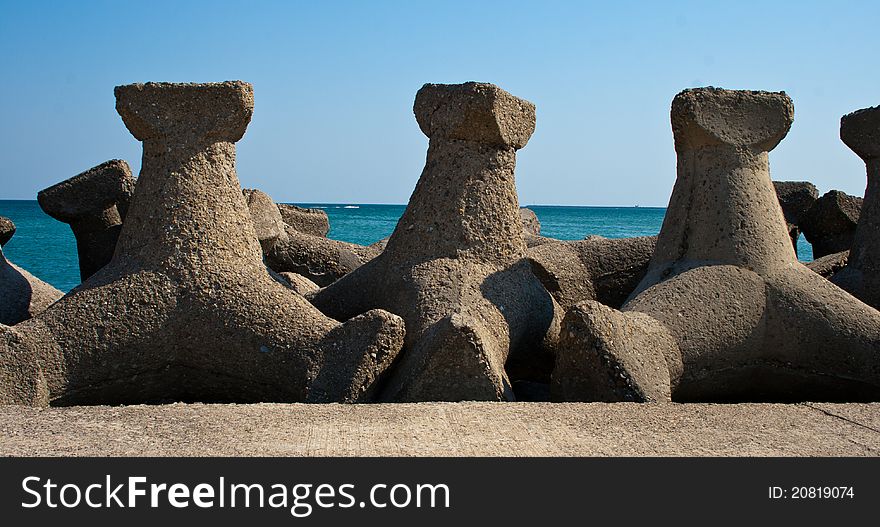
444 429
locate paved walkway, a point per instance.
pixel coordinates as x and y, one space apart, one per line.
444 429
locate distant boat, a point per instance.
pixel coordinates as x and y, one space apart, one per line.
351 207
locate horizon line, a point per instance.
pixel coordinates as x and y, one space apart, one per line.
405 204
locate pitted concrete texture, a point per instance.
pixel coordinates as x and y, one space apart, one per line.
185 310
444 429
724 305
476 316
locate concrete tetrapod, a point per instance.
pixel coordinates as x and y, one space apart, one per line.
22 295
796 198
306 251
186 309
319 259
266 217
530 222
7 230
299 283
94 204
306 221
454 267
828 266
725 311
595 268
861 132
830 223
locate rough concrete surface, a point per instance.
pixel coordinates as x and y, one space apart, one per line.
860 131
476 317
22 295
444 429
729 308
307 221
267 219
299 283
831 222
827 266
594 268
530 221
94 204
185 310
319 259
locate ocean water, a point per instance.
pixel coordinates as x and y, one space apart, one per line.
43 246
47 249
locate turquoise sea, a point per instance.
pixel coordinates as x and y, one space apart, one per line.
47 249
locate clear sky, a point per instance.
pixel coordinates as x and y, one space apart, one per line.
334 84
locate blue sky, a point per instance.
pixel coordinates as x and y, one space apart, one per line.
334 84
